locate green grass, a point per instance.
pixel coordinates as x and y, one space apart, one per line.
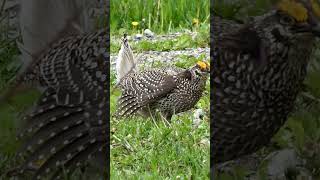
141 150
9 62
201 39
161 16
10 112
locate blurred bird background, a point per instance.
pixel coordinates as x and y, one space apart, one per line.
12 111
295 149
161 33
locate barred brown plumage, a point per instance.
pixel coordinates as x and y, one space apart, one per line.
67 128
69 124
170 90
258 69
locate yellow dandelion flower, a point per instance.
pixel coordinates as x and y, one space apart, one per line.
135 23
294 9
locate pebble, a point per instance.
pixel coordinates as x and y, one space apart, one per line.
137 37
148 33
197 117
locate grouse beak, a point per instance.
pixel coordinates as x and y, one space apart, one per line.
207 70
313 20
308 27
314 25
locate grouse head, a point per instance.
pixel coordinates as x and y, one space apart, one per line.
200 71
290 21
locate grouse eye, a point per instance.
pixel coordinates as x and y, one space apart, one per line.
287 20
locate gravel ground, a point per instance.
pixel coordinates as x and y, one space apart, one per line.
163 56
166 56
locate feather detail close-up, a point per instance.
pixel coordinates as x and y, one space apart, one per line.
66 58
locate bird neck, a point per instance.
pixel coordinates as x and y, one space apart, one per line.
285 69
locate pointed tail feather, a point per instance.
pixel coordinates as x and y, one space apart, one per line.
125 62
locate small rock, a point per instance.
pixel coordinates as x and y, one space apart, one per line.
281 161
138 37
197 117
148 33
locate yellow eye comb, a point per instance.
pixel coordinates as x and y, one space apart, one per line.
294 9
203 65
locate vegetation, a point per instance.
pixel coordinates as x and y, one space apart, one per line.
160 16
200 39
